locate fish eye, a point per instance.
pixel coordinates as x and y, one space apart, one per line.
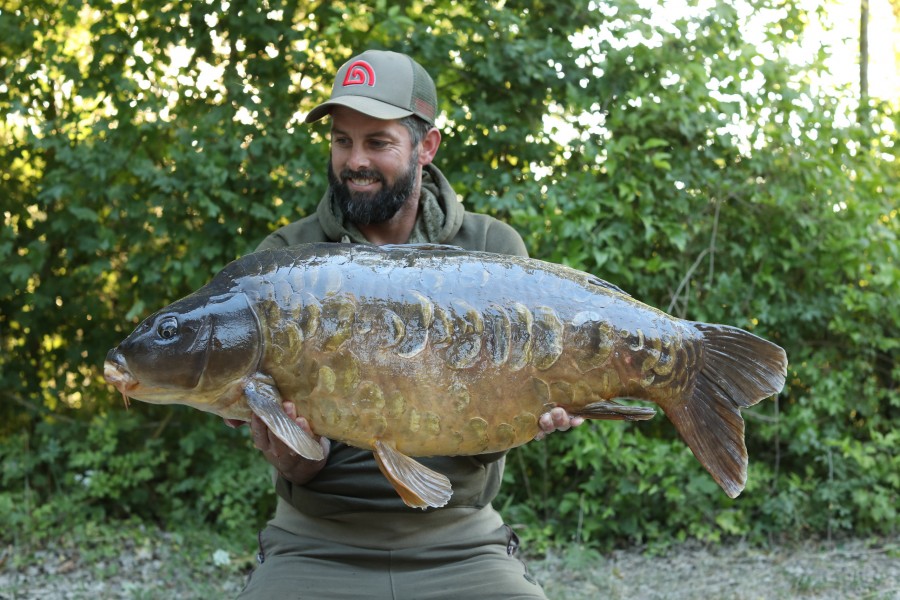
167 328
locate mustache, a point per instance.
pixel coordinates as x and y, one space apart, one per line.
361 174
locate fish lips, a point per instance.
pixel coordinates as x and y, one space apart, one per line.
116 372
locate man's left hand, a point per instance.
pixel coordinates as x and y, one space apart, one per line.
557 419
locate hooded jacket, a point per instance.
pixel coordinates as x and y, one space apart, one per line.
443 220
350 483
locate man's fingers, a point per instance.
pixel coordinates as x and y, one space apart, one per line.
561 419
556 419
304 425
264 439
257 431
545 422
290 409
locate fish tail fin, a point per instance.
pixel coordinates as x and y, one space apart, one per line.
738 370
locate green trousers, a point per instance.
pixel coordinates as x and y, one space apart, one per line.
465 555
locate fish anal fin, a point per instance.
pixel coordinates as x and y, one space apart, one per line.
417 485
266 403
612 411
738 370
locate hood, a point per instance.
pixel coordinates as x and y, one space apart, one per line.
439 220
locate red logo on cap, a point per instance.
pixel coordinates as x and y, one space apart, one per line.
360 73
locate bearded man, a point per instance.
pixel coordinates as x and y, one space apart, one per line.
340 529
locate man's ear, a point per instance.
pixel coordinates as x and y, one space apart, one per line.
429 146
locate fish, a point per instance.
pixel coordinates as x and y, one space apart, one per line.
421 350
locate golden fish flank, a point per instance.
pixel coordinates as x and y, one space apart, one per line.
416 351
540 341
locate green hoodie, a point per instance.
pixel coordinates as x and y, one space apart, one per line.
351 483
443 220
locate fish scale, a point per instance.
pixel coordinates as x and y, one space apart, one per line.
539 342
431 350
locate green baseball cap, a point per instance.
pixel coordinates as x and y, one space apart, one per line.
381 84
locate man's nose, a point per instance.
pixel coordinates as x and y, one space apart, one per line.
358 159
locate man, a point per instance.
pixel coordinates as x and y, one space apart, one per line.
340 530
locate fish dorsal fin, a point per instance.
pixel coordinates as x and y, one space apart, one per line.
605 284
265 402
422 246
418 486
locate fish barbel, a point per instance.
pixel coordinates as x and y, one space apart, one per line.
424 350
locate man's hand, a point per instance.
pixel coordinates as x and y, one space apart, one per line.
292 467
557 419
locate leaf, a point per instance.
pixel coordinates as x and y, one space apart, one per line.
83 214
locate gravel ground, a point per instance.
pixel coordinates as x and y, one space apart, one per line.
165 568
852 569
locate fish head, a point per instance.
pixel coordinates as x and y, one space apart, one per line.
192 352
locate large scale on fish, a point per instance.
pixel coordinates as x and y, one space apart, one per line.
435 351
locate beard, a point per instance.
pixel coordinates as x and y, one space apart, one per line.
375 207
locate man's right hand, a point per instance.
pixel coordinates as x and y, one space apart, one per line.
292 466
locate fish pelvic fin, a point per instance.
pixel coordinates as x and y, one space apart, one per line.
418 486
266 403
739 369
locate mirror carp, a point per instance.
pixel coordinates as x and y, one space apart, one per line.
425 350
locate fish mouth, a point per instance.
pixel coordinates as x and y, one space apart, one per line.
117 374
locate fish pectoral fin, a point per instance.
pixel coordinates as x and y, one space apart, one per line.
265 402
612 411
418 486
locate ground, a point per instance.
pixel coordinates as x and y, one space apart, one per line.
164 566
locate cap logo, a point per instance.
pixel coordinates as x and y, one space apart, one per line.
360 73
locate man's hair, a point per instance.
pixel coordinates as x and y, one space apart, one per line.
418 128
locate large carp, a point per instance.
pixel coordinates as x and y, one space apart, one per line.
432 350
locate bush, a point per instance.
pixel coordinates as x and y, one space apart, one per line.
167 466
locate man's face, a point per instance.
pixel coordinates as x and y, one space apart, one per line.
373 169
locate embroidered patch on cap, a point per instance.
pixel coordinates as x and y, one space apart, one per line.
360 73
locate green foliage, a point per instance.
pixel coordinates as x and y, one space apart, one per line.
171 466
776 228
684 159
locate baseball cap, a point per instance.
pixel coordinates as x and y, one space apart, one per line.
381 84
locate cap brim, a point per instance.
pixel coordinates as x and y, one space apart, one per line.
367 106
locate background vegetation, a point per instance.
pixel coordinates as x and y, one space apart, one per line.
678 154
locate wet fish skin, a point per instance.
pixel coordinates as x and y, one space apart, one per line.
363 363
417 351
